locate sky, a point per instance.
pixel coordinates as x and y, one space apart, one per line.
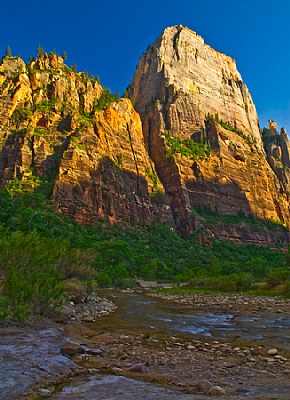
107 38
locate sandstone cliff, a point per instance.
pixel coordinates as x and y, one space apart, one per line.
277 148
200 147
63 127
201 130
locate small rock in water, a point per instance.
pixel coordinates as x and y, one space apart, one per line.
207 388
124 337
204 386
272 352
140 367
216 391
129 365
44 393
93 370
70 349
87 350
281 358
117 370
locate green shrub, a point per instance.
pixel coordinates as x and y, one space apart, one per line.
33 270
234 282
278 277
75 263
32 280
45 105
213 217
228 126
118 254
40 132
27 184
105 100
21 114
186 147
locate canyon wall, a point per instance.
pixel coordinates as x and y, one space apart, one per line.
191 145
186 92
64 128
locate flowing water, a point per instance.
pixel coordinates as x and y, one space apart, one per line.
27 356
149 315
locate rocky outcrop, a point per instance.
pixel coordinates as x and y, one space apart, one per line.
201 130
277 148
105 171
62 127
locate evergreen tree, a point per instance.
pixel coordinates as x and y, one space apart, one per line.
8 52
40 51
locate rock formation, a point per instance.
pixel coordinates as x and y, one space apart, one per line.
55 124
185 93
277 148
200 147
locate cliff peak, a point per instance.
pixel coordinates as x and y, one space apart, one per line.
190 95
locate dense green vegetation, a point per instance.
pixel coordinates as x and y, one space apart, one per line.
186 147
40 249
213 217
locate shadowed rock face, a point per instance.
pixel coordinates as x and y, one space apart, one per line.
184 89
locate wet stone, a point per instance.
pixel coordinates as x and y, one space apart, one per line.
140 367
71 349
272 352
216 391
43 393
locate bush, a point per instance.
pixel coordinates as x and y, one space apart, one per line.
32 272
32 280
278 277
186 147
107 98
27 184
75 263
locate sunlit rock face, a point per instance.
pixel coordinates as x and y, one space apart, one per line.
197 143
94 158
186 91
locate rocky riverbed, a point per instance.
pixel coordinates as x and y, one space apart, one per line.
129 362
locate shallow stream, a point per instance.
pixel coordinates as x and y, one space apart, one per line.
27 356
150 315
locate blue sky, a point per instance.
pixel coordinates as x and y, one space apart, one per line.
106 38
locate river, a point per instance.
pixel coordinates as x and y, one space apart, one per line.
172 326
270 327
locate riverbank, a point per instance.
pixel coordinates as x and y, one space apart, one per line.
173 366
